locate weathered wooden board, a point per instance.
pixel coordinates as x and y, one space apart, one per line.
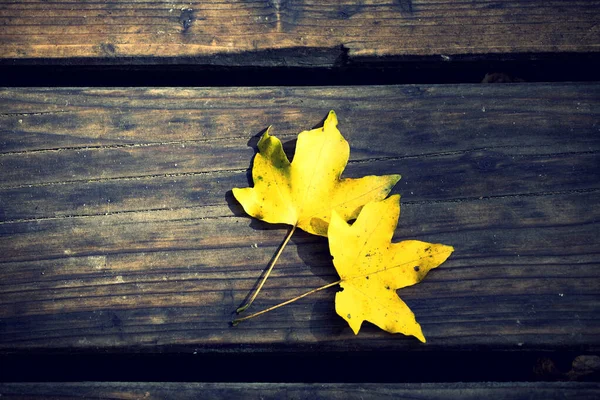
118 230
309 33
166 390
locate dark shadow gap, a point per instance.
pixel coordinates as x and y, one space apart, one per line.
307 367
559 67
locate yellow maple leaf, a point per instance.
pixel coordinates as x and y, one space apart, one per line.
302 193
371 268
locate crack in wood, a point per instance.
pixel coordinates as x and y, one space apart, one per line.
126 178
502 196
467 151
27 114
240 170
114 213
121 252
121 146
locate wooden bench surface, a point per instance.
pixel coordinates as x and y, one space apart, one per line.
123 253
282 32
162 390
119 230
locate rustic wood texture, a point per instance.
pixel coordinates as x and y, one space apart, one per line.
290 32
166 390
119 231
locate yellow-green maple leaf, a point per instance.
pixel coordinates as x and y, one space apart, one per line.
371 268
303 192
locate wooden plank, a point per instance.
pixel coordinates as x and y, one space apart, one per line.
102 161
172 278
207 192
84 118
308 33
121 252
169 390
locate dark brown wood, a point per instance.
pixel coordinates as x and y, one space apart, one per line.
118 230
305 33
166 390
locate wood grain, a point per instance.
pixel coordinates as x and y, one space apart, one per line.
305 33
166 390
118 230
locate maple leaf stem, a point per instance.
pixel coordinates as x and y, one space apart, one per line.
268 272
237 321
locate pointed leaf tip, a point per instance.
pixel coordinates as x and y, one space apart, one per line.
331 119
264 140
